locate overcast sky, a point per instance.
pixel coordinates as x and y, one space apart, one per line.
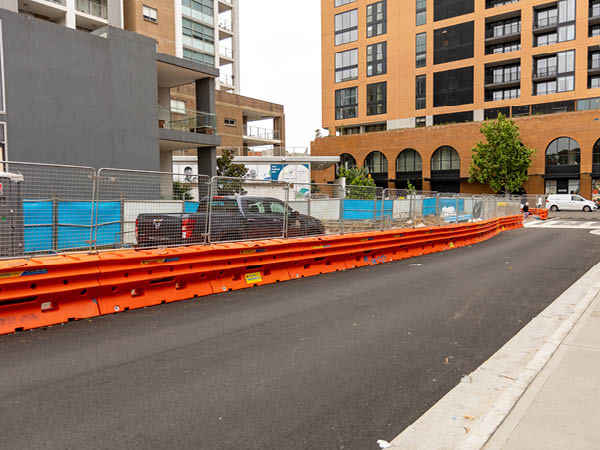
280 62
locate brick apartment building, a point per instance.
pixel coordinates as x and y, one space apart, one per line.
396 73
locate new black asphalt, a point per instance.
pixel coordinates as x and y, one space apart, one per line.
328 362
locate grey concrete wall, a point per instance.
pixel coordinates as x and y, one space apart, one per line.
80 99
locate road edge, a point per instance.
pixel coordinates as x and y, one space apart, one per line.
565 312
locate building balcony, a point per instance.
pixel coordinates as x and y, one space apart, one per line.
493 37
544 73
225 5
225 52
226 79
182 129
272 152
257 135
502 81
226 25
92 8
53 10
545 25
594 17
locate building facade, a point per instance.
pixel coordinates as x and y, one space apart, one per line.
93 99
422 63
83 15
203 31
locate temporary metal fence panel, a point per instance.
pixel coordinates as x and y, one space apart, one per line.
46 209
149 209
397 209
315 209
246 209
362 208
425 209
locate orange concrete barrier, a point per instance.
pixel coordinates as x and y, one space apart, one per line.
46 291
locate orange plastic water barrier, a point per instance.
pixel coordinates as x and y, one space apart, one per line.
46 291
540 212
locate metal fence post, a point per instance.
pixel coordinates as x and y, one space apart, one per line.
122 219
383 197
342 198
456 212
209 202
285 214
94 219
437 208
54 223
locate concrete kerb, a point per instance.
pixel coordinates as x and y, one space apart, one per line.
467 417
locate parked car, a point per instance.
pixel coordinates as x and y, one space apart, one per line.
233 218
569 202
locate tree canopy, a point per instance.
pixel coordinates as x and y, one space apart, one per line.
502 161
226 167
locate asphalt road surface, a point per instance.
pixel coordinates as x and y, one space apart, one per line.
329 362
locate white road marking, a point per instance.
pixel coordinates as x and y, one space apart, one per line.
564 224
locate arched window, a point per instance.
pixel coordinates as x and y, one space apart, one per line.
596 153
445 158
409 160
563 151
347 161
376 162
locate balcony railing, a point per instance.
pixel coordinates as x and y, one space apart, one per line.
186 120
228 1
507 30
226 25
595 11
261 133
543 72
226 79
226 52
297 152
545 22
500 79
92 8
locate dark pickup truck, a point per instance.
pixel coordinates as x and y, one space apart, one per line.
233 218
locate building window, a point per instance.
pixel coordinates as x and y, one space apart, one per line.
445 158
421 50
178 106
494 3
503 74
420 121
202 10
376 162
560 20
347 131
346 27
445 9
596 153
495 95
343 2
150 14
594 82
503 28
346 103
453 43
421 92
376 127
376 98
376 59
230 122
563 151
346 65
507 47
421 12
457 117
198 57
347 161
453 87
557 71
376 19
198 37
409 160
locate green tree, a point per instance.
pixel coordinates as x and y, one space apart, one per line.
226 168
359 184
502 161
181 191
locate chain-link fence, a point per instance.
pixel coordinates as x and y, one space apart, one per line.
51 209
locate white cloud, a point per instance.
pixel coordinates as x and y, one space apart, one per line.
280 61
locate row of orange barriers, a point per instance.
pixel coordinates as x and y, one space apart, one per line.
542 213
45 291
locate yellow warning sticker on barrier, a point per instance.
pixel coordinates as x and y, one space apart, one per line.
160 260
254 250
23 273
451 245
254 277
502 204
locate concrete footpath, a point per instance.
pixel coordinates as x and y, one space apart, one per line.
561 408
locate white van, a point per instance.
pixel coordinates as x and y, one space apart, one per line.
569 202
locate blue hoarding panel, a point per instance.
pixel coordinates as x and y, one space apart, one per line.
191 207
366 209
37 238
109 223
